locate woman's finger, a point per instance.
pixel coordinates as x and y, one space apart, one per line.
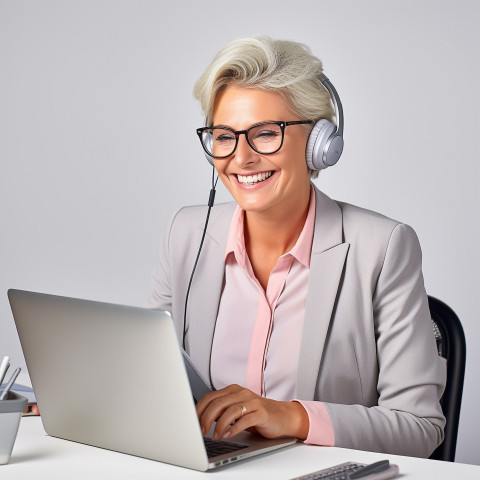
245 422
207 399
231 416
213 405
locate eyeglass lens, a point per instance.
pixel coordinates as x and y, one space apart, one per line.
221 142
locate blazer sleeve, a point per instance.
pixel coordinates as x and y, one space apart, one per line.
160 295
408 419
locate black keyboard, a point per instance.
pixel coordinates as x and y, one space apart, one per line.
338 472
220 447
346 471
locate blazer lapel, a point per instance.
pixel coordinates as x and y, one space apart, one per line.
206 290
326 266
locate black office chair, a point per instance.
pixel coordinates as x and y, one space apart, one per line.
451 345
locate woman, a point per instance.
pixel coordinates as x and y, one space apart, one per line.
308 315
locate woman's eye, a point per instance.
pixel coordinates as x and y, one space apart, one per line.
266 135
223 138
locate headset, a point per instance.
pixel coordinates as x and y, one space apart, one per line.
324 147
325 142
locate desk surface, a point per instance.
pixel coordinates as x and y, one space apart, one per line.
39 456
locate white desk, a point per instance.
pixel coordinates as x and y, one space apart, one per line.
40 457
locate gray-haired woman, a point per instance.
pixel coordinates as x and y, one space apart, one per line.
309 315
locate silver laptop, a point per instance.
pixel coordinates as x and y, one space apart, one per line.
113 377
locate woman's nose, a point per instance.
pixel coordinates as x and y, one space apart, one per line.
244 153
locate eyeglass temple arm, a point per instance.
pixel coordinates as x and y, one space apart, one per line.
336 101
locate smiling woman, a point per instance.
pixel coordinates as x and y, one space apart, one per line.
309 316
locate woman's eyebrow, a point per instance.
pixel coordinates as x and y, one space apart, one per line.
252 125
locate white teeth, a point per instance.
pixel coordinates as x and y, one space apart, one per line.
252 179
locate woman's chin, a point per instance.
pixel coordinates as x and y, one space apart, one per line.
254 197
253 203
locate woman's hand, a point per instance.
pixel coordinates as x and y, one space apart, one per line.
235 409
32 409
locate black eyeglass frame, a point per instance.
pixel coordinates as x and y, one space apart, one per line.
237 134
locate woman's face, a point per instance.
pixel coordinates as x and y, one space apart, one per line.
287 179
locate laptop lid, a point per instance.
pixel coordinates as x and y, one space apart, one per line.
113 376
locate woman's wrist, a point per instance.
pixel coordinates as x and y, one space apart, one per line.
299 421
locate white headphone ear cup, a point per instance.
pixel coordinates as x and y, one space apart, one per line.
333 150
208 140
317 140
209 159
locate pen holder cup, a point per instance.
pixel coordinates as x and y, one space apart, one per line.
10 413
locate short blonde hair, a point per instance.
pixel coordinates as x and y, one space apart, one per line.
280 66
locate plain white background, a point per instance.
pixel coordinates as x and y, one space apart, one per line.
98 144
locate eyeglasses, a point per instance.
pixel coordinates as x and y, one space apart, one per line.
265 138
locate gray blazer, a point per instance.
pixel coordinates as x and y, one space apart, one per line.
368 350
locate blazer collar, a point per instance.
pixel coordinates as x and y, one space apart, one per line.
328 223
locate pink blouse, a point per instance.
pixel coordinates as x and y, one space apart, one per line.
258 333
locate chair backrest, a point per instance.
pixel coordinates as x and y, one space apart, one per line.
451 345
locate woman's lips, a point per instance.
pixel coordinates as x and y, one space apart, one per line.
253 180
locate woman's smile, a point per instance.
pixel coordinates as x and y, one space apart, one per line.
253 179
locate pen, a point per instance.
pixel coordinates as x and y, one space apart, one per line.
10 383
4 367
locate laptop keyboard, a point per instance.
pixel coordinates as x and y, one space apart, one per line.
220 447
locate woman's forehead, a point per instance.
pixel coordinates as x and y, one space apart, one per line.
240 107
